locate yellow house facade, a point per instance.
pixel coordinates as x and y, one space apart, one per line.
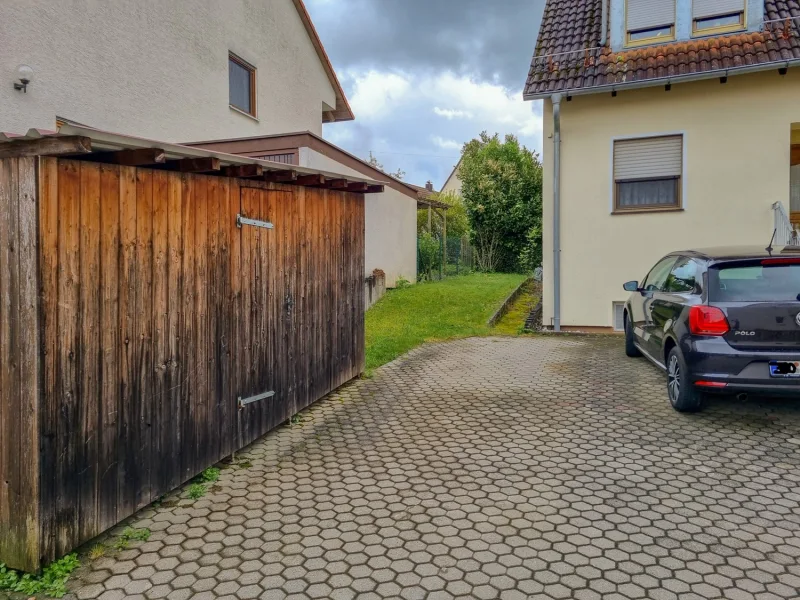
657 161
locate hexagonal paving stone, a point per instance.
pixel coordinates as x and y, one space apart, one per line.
489 468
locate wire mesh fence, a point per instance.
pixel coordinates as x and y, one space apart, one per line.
438 258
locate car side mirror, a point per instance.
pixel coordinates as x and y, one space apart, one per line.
631 286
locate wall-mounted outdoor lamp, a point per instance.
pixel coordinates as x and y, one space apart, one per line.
25 76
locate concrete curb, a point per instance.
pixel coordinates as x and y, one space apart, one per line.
500 313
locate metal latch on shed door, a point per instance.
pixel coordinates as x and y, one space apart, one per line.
245 401
240 221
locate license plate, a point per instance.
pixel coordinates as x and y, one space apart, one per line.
784 368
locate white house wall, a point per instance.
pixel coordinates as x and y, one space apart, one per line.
737 155
159 69
391 224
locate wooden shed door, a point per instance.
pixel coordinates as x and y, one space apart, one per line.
268 311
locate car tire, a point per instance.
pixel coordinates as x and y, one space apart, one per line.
682 394
630 346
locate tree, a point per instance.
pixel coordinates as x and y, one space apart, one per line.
502 191
373 162
457 219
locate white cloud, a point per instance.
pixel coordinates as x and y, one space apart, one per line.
450 113
446 144
491 106
375 93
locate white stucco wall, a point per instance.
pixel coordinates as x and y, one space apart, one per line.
391 224
737 155
453 183
159 69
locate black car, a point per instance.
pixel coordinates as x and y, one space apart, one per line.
719 320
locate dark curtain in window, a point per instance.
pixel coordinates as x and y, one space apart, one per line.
239 79
658 192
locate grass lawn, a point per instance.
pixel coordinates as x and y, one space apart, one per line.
453 308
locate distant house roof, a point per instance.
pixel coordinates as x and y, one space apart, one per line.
453 174
286 143
342 112
569 59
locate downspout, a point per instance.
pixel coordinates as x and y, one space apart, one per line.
556 99
604 24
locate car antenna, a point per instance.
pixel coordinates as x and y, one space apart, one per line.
772 239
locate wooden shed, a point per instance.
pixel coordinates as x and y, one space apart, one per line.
160 308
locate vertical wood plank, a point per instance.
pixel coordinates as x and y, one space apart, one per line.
213 451
9 378
143 355
89 357
50 414
171 427
188 341
69 348
246 333
202 348
224 304
129 443
111 408
162 417
237 327
29 358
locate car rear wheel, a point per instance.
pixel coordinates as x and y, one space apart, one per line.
682 394
630 346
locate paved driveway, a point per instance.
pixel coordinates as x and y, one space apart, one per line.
490 468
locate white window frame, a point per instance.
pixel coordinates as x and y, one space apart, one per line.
684 163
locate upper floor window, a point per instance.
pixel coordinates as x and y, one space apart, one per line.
649 21
717 16
648 174
241 85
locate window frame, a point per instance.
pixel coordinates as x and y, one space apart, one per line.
670 257
252 70
649 40
681 182
698 275
740 26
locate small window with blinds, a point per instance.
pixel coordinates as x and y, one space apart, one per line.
241 85
649 21
648 173
717 16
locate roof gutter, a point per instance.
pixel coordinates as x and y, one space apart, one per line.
659 81
556 99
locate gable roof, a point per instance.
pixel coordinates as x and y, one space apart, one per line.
343 112
453 174
569 59
288 142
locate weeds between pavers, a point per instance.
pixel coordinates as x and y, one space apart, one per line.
52 581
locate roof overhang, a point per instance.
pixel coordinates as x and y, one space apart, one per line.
342 110
164 155
260 145
666 80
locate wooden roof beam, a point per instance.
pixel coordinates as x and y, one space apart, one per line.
337 184
280 176
131 157
46 146
309 180
243 171
374 189
195 165
357 186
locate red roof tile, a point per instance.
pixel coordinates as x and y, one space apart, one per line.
568 57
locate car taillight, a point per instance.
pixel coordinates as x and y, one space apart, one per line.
707 320
780 261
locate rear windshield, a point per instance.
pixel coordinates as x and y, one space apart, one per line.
754 283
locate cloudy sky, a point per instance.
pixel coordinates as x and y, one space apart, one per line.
425 76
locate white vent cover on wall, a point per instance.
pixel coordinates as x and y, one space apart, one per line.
619 323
